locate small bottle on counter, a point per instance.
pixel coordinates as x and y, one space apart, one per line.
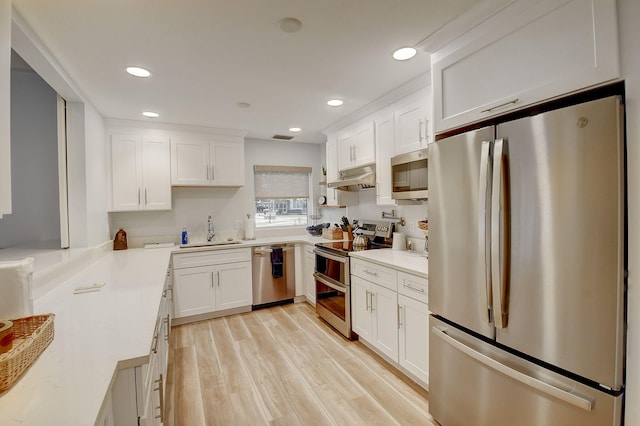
185 236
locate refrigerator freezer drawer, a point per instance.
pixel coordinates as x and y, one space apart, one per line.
479 384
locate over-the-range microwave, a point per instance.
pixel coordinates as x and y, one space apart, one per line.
409 177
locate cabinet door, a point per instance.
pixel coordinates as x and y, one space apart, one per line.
412 126
364 146
126 176
526 53
385 136
384 305
189 163
332 169
309 279
345 153
361 321
414 337
156 173
233 285
227 164
193 291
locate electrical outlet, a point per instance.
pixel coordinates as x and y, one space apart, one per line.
412 226
237 224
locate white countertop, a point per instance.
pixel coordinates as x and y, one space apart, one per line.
402 260
293 239
98 333
94 332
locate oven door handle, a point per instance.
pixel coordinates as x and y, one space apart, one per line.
334 285
341 259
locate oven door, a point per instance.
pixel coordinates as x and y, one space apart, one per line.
332 266
333 303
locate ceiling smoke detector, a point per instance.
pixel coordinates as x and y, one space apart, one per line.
282 137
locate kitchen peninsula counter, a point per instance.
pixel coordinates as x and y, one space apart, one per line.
96 334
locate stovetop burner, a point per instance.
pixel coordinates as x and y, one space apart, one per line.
347 246
379 234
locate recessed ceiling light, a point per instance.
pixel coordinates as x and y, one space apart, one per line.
151 114
294 129
335 102
404 53
138 72
290 25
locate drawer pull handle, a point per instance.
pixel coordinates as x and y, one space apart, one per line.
409 286
370 272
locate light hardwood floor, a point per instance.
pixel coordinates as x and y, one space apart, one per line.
283 366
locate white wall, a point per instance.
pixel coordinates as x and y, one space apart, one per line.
228 206
88 221
97 220
411 213
628 13
34 159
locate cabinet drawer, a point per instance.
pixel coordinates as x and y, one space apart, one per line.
374 273
213 257
413 286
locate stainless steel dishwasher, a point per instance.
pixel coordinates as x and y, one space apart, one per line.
274 275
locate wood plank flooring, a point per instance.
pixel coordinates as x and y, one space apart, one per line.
283 366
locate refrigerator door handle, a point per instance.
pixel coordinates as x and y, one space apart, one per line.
500 237
484 266
523 378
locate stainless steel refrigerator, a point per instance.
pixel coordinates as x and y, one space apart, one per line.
527 269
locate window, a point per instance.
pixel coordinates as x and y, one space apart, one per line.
282 195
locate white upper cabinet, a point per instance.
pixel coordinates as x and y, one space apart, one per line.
336 197
197 162
140 173
190 162
385 136
412 117
528 52
356 146
227 163
5 107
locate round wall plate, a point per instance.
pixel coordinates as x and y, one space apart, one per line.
322 200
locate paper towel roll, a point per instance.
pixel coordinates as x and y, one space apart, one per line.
16 277
249 228
399 241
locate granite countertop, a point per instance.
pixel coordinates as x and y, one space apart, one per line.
96 334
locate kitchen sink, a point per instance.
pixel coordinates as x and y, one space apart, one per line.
210 243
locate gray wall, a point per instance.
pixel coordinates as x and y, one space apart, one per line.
34 161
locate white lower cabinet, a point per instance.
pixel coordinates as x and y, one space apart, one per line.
413 337
136 397
374 311
309 279
390 314
210 282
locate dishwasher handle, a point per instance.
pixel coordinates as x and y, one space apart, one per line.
261 251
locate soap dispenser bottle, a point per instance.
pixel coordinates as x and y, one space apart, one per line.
185 236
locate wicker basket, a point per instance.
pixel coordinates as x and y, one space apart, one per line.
332 233
32 336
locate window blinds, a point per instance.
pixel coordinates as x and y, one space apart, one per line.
281 182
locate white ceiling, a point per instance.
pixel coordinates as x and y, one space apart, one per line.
208 55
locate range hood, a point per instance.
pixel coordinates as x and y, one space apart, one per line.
356 179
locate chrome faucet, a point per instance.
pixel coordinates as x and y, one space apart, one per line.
210 232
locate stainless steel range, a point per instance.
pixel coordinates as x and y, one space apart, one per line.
332 274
